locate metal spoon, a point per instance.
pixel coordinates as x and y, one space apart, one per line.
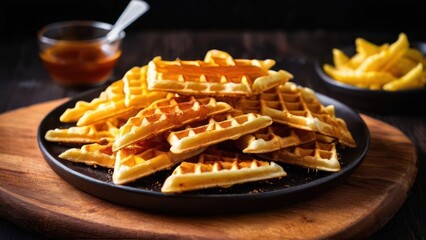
134 10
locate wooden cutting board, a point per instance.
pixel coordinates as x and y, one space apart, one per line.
34 197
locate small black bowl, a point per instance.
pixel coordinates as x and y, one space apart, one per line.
375 101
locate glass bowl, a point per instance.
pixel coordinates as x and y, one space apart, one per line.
77 53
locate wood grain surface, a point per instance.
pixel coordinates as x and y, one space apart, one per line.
35 198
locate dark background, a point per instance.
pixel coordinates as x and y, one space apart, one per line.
24 17
314 26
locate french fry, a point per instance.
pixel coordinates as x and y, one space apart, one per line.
365 47
403 66
358 78
384 59
340 59
413 79
356 60
373 62
396 51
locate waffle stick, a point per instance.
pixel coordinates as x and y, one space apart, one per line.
274 137
166 115
130 96
320 154
95 154
111 93
86 134
218 75
222 58
111 109
299 108
136 89
219 169
216 129
145 158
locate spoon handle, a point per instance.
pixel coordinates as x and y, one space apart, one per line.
133 11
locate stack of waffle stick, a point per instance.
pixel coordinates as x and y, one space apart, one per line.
174 114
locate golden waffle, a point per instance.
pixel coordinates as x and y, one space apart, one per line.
111 93
136 89
221 58
128 100
219 128
320 154
153 121
110 109
219 170
299 108
273 138
86 134
144 158
218 75
96 154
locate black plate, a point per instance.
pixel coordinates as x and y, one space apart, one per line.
376 101
145 193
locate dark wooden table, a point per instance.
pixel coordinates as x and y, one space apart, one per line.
24 81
